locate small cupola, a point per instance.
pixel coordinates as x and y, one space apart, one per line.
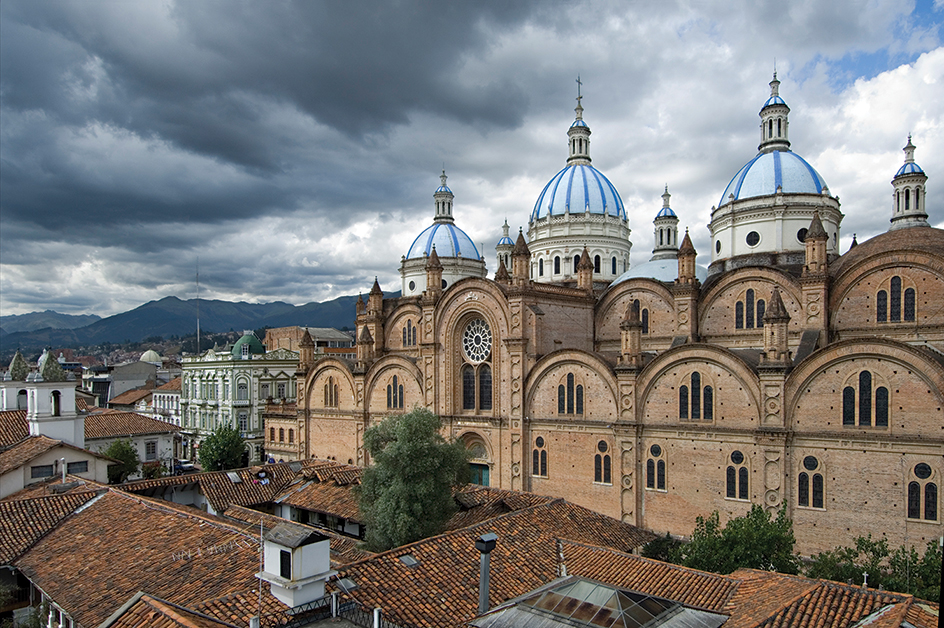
910 182
579 135
665 230
774 122
443 197
297 564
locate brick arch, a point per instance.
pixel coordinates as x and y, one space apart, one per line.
403 366
731 285
697 354
393 326
334 367
545 367
471 437
900 355
612 306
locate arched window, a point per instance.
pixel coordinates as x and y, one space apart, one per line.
596 264
737 477
570 393
540 267
395 394
272 434
485 387
749 309
683 402
907 199
281 434
655 468
409 334
468 387
779 127
22 400
895 300
539 458
696 396
556 265
576 263
242 390
881 307
761 310
708 412
613 266
570 396
810 484
643 315
865 398
56 403
291 435
602 472
909 305
739 315
922 493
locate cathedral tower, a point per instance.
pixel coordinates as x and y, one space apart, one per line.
910 183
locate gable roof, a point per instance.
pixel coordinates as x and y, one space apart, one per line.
171 386
13 427
119 424
23 522
33 446
146 611
130 397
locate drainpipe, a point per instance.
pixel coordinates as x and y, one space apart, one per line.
484 544
62 461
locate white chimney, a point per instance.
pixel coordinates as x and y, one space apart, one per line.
297 563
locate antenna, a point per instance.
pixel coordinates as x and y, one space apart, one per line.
198 306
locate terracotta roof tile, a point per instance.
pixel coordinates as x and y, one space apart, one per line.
23 522
147 611
32 446
13 427
923 614
54 486
95 560
171 386
117 424
131 397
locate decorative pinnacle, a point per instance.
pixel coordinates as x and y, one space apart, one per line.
775 85
666 196
909 151
442 177
579 108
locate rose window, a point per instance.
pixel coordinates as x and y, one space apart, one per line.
477 340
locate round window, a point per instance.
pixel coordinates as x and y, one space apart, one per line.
801 235
753 238
717 246
602 446
539 441
656 451
810 463
444 284
737 457
412 285
922 470
477 340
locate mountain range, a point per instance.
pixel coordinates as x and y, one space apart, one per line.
168 317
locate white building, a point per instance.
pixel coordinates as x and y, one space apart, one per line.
230 387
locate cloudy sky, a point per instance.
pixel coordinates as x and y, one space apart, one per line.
292 148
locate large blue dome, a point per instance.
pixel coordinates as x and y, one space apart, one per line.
577 188
450 241
762 175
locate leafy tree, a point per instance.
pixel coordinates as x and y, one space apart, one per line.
222 449
406 495
662 548
901 570
125 452
755 541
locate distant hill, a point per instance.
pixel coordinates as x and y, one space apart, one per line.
171 316
41 320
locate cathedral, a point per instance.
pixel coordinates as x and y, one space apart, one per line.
784 374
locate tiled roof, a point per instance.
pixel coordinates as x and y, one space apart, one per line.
344 549
117 424
220 490
241 606
13 427
97 559
171 386
145 611
54 486
480 503
442 588
131 397
324 487
28 448
924 239
24 522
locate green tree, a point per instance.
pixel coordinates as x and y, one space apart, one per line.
755 541
222 449
662 548
125 452
406 495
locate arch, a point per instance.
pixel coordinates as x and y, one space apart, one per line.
341 373
562 359
473 438
393 326
612 307
731 288
376 377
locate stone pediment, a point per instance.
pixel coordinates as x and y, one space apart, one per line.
280 354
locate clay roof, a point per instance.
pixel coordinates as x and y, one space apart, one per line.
54 486
13 427
30 447
220 490
146 611
98 558
924 239
23 522
441 589
480 503
131 397
171 386
325 487
116 424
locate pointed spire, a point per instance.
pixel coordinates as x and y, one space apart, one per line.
579 134
579 109
585 263
360 306
376 288
307 340
366 337
687 248
816 230
855 242
19 369
776 310
775 86
502 275
432 262
521 247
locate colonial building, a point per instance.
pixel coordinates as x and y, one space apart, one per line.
231 387
785 374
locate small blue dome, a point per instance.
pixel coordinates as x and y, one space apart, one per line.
443 188
909 168
450 241
505 240
774 100
580 123
578 187
666 212
762 175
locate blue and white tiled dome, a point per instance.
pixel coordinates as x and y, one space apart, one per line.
450 241
577 188
762 175
774 100
909 168
505 241
666 212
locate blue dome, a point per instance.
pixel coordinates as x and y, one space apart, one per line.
579 123
774 100
505 240
762 176
909 168
443 188
450 241
578 188
665 270
666 211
